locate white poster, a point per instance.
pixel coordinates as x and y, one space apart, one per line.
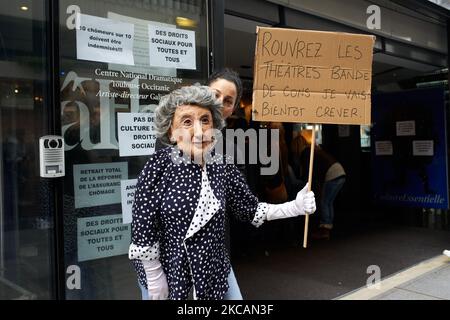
136 133
343 131
171 47
104 40
423 148
98 184
141 47
406 128
128 187
383 148
102 236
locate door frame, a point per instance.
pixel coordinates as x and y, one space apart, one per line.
54 124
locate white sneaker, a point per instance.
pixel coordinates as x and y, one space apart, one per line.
447 253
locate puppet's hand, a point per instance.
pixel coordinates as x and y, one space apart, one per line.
156 280
304 203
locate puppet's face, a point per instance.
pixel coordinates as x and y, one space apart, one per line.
226 92
192 131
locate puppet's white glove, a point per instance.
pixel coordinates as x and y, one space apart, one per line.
304 203
156 280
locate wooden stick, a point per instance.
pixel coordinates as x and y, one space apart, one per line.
311 161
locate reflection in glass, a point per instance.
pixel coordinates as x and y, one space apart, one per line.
26 217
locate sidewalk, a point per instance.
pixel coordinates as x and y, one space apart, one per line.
428 280
330 269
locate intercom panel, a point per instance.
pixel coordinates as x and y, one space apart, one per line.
51 156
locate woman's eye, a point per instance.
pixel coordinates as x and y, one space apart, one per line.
187 122
205 121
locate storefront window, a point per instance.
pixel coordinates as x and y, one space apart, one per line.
117 58
26 216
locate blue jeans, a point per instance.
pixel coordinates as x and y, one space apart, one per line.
144 292
330 191
233 293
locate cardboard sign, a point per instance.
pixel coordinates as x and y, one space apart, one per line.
312 76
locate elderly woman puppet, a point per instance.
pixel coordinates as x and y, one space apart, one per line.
182 193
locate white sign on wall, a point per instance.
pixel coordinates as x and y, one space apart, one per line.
423 148
171 47
384 148
343 131
141 47
102 236
104 40
128 188
136 134
98 184
405 128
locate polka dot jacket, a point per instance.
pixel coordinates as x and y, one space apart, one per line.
179 218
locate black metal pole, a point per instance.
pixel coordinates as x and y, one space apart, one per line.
217 34
281 17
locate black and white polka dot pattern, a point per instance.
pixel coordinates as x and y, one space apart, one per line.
261 214
144 253
181 207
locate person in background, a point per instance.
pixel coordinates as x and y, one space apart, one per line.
328 179
228 88
181 198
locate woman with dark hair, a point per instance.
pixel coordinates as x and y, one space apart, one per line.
228 87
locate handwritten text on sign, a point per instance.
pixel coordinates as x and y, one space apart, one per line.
312 76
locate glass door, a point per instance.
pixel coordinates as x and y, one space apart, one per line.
26 200
117 58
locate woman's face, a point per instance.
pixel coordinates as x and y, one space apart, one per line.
226 92
191 129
